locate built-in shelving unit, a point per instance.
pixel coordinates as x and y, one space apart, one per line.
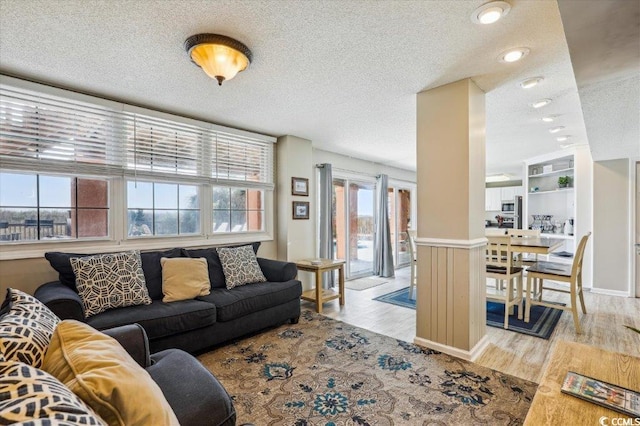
545 196
542 196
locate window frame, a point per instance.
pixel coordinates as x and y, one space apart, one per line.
118 240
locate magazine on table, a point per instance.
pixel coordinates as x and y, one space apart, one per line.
602 393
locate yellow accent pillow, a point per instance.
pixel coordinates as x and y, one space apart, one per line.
98 370
184 278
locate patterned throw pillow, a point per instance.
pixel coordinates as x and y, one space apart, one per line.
112 280
28 394
240 266
26 328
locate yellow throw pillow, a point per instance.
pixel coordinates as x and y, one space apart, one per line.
184 278
97 369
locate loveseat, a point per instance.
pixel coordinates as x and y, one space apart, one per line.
191 325
66 372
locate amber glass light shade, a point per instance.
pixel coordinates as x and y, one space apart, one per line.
220 57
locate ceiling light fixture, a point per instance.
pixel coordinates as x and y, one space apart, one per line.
556 129
549 118
541 103
563 138
531 82
497 178
490 12
219 56
566 145
513 55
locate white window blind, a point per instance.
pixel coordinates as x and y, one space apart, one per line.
45 132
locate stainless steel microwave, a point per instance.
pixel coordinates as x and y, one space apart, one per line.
508 206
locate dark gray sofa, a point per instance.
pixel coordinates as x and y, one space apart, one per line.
194 394
190 325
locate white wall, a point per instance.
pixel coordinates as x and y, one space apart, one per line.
611 227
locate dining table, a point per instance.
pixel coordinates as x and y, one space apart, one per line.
536 245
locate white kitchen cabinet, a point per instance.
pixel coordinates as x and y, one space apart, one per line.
508 193
493 199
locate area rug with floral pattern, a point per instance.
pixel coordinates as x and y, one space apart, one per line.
325 372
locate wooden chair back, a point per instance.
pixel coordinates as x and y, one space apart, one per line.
498 252
576 269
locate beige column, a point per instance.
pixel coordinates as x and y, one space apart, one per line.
451 312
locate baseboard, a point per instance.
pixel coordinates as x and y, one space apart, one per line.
610 292
471 355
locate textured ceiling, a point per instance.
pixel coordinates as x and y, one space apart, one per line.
342 74
605 54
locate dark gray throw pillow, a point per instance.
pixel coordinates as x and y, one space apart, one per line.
216 274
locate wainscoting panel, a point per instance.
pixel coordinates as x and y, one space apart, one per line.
451 295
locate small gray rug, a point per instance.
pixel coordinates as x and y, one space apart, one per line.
365 283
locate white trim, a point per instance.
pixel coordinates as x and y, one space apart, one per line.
152 243
608 292
462 244
471 355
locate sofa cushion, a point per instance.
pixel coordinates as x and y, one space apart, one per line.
26 328
106 281
216 275
61 262
247 299
240 266
32 395
153 269
184 278
97 369
159 319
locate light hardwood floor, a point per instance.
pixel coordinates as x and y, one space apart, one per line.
509 352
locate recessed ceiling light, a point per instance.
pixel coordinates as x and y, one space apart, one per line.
563 138
490 12
541 103
556 129
513 55
531 82
549 118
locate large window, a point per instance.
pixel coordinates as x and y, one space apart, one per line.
43 207
162 209
77 167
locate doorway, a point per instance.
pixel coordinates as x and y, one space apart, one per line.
353 225
399 222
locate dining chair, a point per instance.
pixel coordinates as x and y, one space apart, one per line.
500 267
521 259
411 239
562 272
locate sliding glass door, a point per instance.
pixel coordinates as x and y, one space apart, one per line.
353 209
399 221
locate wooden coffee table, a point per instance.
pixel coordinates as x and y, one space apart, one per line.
318 294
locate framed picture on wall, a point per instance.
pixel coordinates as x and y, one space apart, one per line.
301 210
299 186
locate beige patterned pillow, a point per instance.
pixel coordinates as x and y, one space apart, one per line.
26 328
240 266
113 280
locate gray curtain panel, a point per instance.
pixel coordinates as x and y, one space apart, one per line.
325 222
382 254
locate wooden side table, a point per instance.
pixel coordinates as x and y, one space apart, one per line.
318 294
